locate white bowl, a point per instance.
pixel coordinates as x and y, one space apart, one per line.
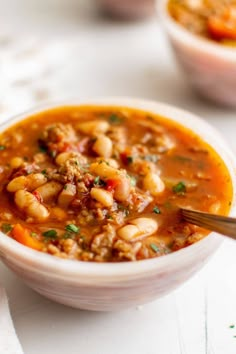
209 67
114 286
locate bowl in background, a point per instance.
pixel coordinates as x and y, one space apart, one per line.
209 67
115 286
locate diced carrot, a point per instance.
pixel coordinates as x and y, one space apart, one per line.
223 26
22 235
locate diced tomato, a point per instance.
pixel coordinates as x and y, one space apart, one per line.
123 157
38 196
22 235
111 184
66 147
223 26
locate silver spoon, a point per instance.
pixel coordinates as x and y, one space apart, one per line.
224 225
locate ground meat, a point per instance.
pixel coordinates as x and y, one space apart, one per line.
126 251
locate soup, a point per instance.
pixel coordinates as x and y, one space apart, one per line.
212 19
104 184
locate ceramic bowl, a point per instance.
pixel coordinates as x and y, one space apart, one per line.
115 286
209 67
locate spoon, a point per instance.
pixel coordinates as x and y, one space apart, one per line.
224 225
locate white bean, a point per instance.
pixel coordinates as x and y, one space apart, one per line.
104 170
29 182
138 228
93 127
49 190
102 196
146 225
111 162
67 195
129 232
103 146
153 183
215 208
64 156
29 204
16 162
122 188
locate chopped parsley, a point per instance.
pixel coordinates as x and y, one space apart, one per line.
50 234
98 181
65 187
2 147
130 159
124 209
179 188
154 247
6 228
33 234
44 172
109 217
53 153
115 119
156 210
43 149
231 326
72 228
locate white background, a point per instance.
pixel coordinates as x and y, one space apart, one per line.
59 49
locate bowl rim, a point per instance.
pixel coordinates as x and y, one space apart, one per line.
62 268
191 40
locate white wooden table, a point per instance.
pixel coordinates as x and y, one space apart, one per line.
101 58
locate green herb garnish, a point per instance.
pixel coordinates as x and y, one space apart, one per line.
2 147
109 217
44 172
124 209
50 234
43 149
114 119
6 228
53 153
130 159
179 188
133 181
154 247
156 210
231 326
72 228
98 182
33 234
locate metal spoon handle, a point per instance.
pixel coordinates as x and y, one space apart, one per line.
221 224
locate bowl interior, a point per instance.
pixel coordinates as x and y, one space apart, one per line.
201 44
